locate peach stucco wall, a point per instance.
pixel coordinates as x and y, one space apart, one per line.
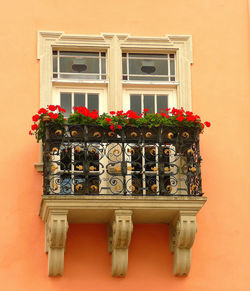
220 76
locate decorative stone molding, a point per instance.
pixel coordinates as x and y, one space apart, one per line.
182 234
122 227
56 234
116 211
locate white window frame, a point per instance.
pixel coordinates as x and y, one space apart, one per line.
114 44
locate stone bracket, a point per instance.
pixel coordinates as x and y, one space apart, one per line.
55 240
182 234
122 227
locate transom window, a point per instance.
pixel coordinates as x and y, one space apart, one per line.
79 65
148 67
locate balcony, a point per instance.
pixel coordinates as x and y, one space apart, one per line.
134 175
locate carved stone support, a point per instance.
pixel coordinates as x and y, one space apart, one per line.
122 228
182 234
56 234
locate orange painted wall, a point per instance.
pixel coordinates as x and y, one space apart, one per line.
220 90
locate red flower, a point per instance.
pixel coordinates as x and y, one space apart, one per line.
207 123
52 107
191 118
119 113
55 116
180 118
167 109
60 109
34 126
112 112
108 120
146 110
163 114
176 111
42 111
82 110
35 117
119 126
112 127
94 114
30 133
167 116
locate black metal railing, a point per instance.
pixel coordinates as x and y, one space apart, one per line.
91 160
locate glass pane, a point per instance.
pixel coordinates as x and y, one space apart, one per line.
162 102
135 103
103 61
148 78
54 53
79 99
66 103
172 67
124 66
148 67
80 76
79 53
79 65
93 102
172 56
150 56
54 64
149 103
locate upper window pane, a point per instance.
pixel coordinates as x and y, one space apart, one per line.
148 67
79 65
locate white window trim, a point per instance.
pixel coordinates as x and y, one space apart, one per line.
115 44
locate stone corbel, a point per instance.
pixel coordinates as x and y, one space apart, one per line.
119 239
56 234
182 234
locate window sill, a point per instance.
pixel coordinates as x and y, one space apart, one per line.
95 82
149 83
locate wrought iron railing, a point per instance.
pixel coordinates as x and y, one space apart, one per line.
91 160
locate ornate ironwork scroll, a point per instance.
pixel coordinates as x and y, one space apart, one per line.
91 160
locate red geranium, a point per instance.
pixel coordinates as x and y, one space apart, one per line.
119 126
112 112
112 127
146 110
34 126
207 123
180 118
42 111
35 117
94 114
52 107
119 113
108 120
60 109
